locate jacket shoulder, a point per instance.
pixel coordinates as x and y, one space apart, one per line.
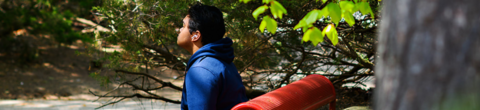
211 64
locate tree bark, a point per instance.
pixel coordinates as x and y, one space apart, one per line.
429 55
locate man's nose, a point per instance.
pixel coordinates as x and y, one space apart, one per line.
178 30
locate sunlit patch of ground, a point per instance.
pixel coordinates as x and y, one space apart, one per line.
85 105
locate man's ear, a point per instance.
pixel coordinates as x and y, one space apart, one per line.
196 36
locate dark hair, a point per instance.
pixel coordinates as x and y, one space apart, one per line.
208 20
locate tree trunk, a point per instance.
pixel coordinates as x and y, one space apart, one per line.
429 55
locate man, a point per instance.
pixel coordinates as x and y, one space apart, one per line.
212 81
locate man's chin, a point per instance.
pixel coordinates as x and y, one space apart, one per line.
179 43
183 45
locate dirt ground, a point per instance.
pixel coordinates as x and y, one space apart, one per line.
57 71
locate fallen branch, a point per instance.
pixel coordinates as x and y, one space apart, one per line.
154 96
114 102
113 89
167 84
97 27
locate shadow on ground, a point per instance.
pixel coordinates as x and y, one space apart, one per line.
57 71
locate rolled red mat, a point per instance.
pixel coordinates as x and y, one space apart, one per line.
308 93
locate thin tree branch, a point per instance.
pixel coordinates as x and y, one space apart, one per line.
169 57
354 54
154 78
155 95
287 77
114 102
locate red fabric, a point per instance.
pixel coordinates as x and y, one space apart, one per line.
308 93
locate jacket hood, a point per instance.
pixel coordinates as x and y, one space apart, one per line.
221 50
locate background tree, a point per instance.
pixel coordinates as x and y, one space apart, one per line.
429 56
267 60
25 24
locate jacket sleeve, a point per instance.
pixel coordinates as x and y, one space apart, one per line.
202 89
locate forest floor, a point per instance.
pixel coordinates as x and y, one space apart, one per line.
57 72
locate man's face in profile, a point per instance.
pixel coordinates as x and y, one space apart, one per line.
184 36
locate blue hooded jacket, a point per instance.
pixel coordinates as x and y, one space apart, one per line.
212 81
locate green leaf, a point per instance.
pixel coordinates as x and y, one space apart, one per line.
306 36
347 6
277 9
313 34
324 1
259 11
329 28
334 12
245 1
279 43
364 8
271 25
280 6
263 25
331 33
311 16
307 21
322 13
349 18
301 23
274 11
316 36
266 1
305 28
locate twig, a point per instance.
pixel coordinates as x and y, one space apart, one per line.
114 102
154 78
113 89
138 96
155 95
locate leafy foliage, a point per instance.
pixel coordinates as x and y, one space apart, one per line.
332 10
42 19
46 19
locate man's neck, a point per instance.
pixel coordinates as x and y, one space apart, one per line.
195 48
